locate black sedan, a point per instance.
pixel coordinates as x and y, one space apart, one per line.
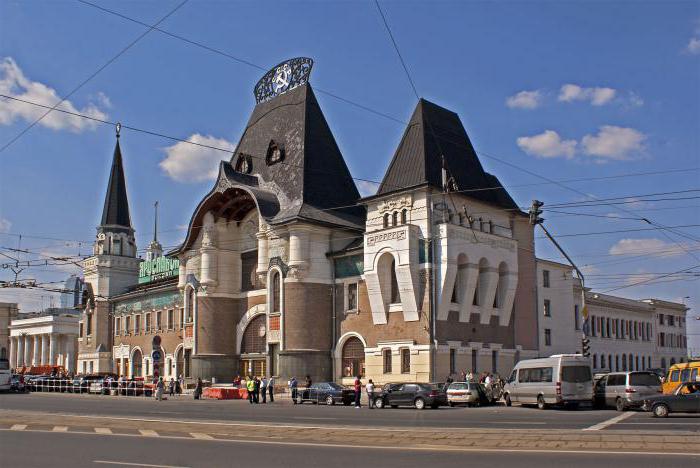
329 393
684 399
418 395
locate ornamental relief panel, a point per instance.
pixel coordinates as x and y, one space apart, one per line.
396 204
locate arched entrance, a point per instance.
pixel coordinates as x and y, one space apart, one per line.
179 362
353 358
254 347
137 363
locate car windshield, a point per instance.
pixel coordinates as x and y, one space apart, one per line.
458 386
644 379
335 386
575 374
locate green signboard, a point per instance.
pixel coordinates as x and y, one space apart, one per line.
157 269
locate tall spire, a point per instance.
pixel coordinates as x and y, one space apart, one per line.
116 207
154 249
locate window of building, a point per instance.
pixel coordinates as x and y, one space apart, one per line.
474 361
671 321
404 216
662 339
275 292
117 323
617 363
92 367
624 362
545 278
608 328
181 317
547 308
405 361
351 295
386 220
661 319
148 323
249 263
395 218
453 361
127 325
353 358
594 325
547 337
159 320
595 361
494 361
137 324
386 355
81 329
191 304
395 298
171 319
577 320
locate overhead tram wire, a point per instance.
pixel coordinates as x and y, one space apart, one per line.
93 75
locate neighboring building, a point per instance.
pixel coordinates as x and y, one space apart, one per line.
73 292
286 271
624 334
44 339
8 312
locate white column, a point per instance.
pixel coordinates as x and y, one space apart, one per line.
52 349
20 351
70 353
13 351
44 350
27 351
35 352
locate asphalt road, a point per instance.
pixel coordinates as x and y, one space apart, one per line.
185 408
44 449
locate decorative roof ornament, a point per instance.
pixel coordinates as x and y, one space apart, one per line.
119 128
282 78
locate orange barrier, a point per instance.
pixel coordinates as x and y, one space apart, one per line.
225 393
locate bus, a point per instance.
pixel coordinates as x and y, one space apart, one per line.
679 373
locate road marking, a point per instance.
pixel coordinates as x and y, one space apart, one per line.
148 432
18 427
304 417
417 448
60 428
201 436
108 462
103 430
609 422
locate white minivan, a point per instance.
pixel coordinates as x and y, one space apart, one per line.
561 379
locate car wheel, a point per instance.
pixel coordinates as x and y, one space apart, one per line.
419 403
379 403
620 405
508 402
330 401
541 404
660 411
451 404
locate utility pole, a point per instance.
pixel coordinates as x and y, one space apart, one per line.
536 220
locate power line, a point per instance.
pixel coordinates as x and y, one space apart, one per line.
651 279
93 75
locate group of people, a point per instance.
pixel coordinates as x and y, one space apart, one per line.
258 388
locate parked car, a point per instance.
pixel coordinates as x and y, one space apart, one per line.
684 399
329 393
81 384
418 395
468 393
624 390
17 384
561 379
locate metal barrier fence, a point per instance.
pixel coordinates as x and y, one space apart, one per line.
128 388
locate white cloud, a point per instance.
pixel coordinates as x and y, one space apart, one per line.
693 46
652 247
613 142
525 100
191 163
597 96
367 188
5 225
547 145
634 100
13 82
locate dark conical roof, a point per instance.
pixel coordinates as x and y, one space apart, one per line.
116 209
434 131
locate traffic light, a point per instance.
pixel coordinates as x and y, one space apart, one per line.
535 212
586 346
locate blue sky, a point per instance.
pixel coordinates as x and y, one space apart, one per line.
567 90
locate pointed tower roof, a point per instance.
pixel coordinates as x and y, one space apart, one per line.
116 208
433 132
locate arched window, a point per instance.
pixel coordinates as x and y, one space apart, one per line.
404 216
624 362
610 362
386 220
595 361
636 363
255 336
353 358
673 361
395 218
394 284
663 363
617 363
275 292
136 364
602 361
630 359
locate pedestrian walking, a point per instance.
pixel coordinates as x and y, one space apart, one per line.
171 387
358 391
271 389
263 389
250 386
370 393
198 390
256 390
160 388
293 384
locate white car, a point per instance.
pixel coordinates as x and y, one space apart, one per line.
468 393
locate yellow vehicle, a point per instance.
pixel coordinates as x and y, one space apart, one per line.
679 373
